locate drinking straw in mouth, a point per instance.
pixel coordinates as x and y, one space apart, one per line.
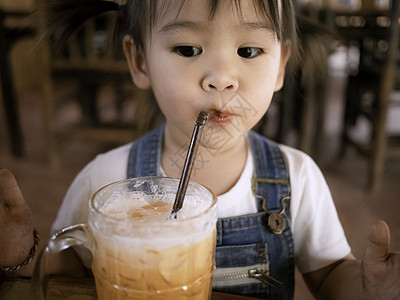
190 158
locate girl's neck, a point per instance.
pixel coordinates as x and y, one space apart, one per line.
217 170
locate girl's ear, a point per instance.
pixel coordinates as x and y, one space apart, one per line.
285 55
137 63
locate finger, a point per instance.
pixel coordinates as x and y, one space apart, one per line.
9 190
378 242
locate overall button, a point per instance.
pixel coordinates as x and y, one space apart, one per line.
276 223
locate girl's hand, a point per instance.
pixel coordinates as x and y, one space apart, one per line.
380 269
16 230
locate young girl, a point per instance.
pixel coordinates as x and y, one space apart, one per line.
275 209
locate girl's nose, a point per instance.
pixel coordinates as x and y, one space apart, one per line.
220 81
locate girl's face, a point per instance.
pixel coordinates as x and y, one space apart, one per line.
231 64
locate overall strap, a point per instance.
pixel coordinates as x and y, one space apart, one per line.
145 155
270 182
271 185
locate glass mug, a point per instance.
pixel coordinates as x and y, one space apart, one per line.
139 251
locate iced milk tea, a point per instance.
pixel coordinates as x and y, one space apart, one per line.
153 256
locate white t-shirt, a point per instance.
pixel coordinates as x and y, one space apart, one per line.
318 236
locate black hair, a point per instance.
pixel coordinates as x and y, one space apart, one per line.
137 17
63 18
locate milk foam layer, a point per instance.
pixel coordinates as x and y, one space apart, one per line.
144 207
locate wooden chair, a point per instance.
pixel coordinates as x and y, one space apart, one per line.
9 35
370 90
88 61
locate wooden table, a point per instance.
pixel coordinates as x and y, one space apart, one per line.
63 288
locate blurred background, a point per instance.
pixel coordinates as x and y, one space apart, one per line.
59 108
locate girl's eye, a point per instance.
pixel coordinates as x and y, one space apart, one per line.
188 51
249 52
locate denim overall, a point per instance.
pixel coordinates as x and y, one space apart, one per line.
255 252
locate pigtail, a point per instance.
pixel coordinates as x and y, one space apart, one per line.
63 18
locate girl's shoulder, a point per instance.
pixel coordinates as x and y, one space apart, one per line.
297 159
115 155
109 166
294 158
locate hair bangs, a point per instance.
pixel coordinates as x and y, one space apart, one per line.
142 15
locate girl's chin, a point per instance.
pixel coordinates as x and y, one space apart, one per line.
218 143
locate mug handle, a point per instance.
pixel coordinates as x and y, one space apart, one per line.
61 240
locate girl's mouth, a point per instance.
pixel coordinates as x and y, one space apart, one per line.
220 117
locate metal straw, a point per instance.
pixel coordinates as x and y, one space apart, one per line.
190 158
